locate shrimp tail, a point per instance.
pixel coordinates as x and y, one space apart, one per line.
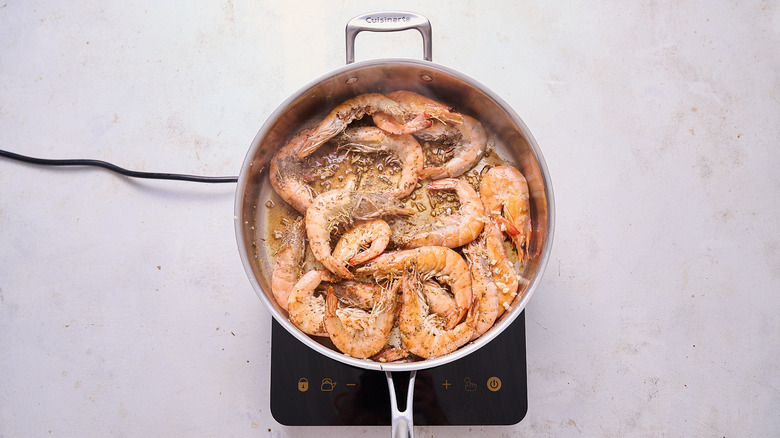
391 354
507 226
422 121
454 317
433 172
331 302
451 118
337 267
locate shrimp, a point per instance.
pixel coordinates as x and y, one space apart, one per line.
289 261
482 285
468 140
439 262
426 334
504 192
289 177
358 294
502 268
416 104
440 301
305 309
453 230
391 354
352 109
375 232
358 333
339 208
408 150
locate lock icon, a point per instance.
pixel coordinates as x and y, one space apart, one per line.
303 384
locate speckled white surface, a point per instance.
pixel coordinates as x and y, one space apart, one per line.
124 308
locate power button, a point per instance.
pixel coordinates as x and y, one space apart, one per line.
494 384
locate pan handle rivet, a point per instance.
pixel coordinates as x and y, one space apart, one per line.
426 78
351 80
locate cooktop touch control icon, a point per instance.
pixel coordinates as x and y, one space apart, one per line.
327 385
470 386
494 384
303 384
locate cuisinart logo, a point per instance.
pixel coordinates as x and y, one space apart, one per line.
380 20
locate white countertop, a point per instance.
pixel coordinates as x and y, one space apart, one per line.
124 307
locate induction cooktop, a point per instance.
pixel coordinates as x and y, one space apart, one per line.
487 387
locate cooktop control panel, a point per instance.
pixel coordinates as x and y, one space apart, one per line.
487 387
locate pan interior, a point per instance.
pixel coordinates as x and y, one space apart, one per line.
509 138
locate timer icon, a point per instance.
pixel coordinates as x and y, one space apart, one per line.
494 384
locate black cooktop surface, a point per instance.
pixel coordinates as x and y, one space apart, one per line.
487 387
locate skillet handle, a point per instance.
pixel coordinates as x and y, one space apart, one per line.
388 21
402 421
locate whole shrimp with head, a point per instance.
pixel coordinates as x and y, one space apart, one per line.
468 141
370 139
364 241
426 334
355 108
337 209
439 262
305 308
358 333
504 192
453 230
483 286
416 104
289 176
288 266
503 271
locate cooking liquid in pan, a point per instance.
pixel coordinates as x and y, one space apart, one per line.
331 167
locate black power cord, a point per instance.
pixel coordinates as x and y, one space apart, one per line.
117 169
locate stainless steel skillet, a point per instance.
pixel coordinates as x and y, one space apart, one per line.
510 139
